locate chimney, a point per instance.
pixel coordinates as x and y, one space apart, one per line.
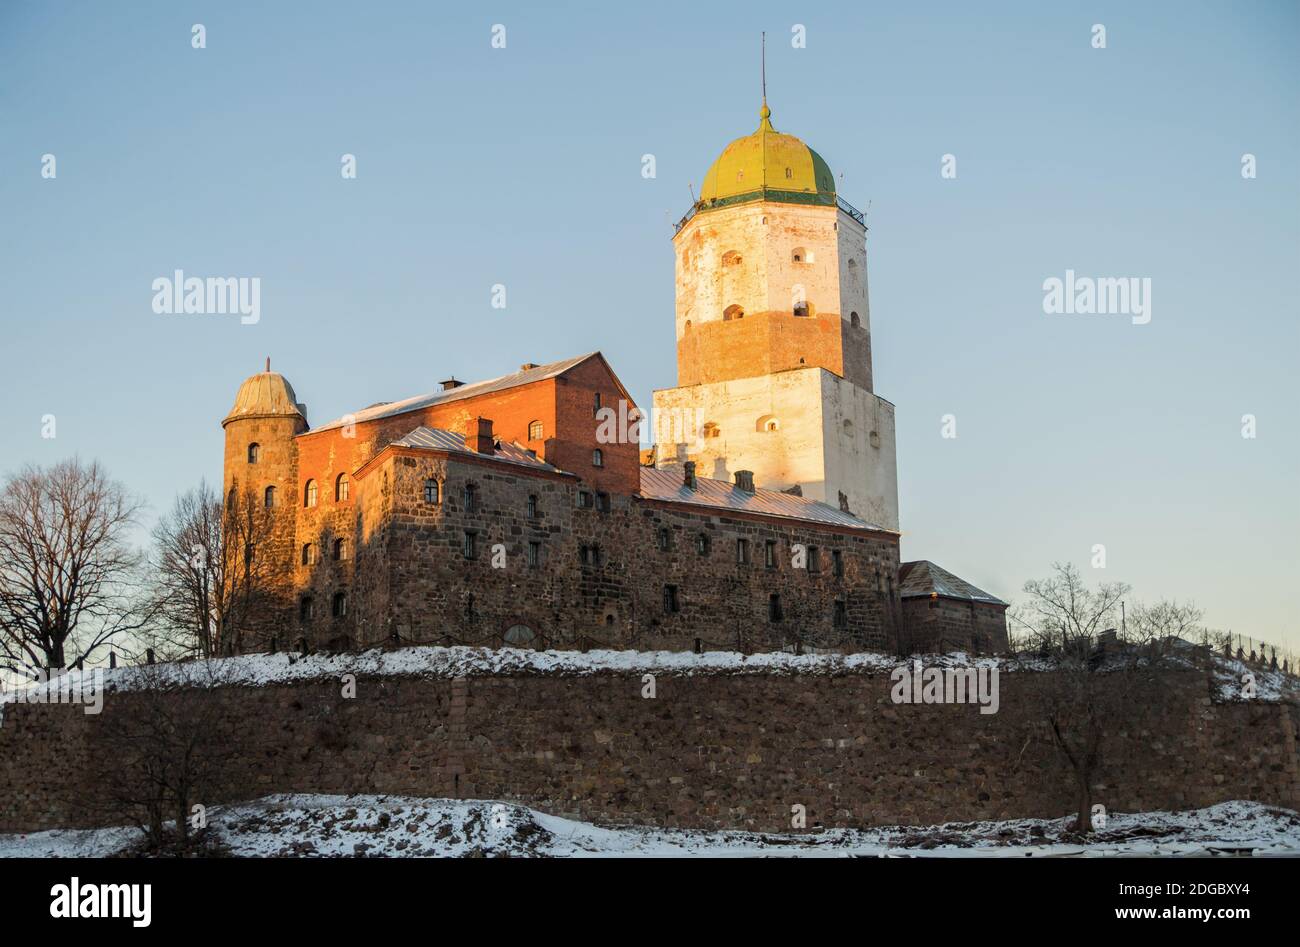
526 366
745 480
451 383
688 477
478 436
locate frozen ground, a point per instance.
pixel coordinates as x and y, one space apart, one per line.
394 826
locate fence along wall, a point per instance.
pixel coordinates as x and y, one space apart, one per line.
712 750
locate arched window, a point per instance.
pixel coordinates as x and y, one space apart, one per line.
732 312
341 488
340 550
308 554
767 424
731 258
519 636
800 255
597 458
254 453
801 307
431 493
339 607
268 498
789 173
687 327
309 494
534 430
854 320
532 506
306 608
702 544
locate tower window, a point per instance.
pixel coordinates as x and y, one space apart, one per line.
308 554
814 559
710 430
801 308
431 492
840 616
774 607
597 458
254 453
595 405
469 544
309 494
854 320
702 544
535 430
341 487
340 550
532 506
769 553
340 606
470 497
742 552
268 498
306 608
732 312
799 255
663 537
671 602
789 173
837 562
731 258
767 424
534 555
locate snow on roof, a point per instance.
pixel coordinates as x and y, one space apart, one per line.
668 485
513 380
432 438
924 578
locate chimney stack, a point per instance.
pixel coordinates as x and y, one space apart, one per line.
745 480
528 366
688 476
451 383
478 436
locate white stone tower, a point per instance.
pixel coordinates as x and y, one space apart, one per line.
774 334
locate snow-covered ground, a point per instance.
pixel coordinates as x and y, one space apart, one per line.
258 670
395 826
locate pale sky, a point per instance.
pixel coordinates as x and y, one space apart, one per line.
522 166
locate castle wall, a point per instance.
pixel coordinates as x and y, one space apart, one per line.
713 750
413 580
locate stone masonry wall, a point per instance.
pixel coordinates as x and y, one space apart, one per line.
712 749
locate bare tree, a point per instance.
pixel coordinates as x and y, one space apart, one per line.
1073 625
162 752
242 579
198 586
68 577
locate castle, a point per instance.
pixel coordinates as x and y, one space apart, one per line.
521 511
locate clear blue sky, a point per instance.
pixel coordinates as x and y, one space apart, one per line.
522 166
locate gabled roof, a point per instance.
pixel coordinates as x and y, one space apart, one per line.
514 380
429 438
667 485
924 578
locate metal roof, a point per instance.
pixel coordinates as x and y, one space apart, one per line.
718 494
513 380
924 578
433 438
